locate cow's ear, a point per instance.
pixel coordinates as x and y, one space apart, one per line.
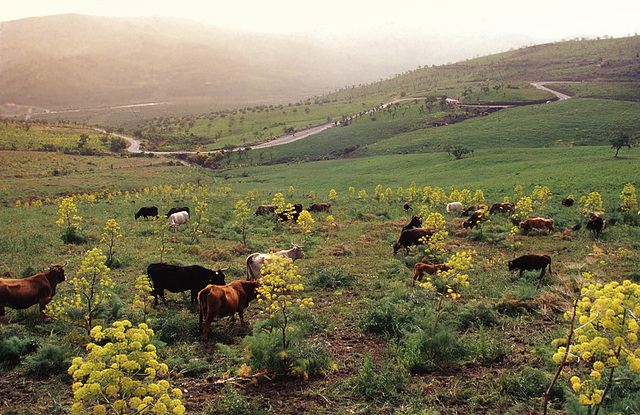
223 269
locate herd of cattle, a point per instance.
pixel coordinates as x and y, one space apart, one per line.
217 299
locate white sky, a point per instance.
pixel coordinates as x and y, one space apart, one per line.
548 19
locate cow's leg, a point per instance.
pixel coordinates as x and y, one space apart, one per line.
3 318
521 272
241 314
43 306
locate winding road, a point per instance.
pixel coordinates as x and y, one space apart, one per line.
134 143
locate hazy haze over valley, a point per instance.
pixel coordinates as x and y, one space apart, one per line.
82 54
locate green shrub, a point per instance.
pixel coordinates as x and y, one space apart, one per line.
476 314
425 350
176 327
72 236
231 402
333 278
48 360
385 385
388 318
528 384
13 348
484 349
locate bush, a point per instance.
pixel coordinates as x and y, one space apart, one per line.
176 327
424 350
231 402
528 384
72 236
333 278
385 385
388 318
49 359
13 348
476 314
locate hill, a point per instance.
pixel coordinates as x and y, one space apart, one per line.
78 61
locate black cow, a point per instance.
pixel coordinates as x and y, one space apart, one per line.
416 222
567 202
411 237
147 211
176 278
178 209
290 215
596 224
474 221
531 262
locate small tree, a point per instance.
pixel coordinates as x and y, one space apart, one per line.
280 280
332 194
305 220
67 217
110 234
621 140
200 210
590 204
160 229
242 211
91 292
629 199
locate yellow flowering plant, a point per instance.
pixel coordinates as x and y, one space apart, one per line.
67 213
200 210
280 283
119 374
447 284
110 233
242 211
591 203
523 208
91 293
606 337
628 198
305 221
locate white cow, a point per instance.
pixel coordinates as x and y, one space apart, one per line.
454 207
255 262
178 218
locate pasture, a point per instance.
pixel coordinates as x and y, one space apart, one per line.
369 326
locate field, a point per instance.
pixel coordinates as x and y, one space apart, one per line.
372 342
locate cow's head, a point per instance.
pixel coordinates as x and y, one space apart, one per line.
512 266
57 271
396 247
297 251
217 277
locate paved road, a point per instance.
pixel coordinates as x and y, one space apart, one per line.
134 143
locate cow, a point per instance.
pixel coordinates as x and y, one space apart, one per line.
531 262
407 206
567 202
290 214
37 289
454 207
475 220
264 209
147 211
537 223
596 224
178 218
225 301
411 237
177 209
419 269
255 261
176 278
508 207
468 211
319 207
416 222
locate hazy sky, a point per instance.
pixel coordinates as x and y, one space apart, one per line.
548 19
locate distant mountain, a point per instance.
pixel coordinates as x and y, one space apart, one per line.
78 61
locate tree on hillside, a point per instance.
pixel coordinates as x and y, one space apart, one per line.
621 140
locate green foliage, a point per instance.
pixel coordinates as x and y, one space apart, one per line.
381 385
13 349
333 278
232 402
50 359
527 384
425 350
174 327
388 318
73 236
476 314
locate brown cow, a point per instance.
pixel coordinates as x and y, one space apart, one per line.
319 207
419 269
537 223
468 211
475 220
596 224
508 207
531 262
25 292
224 301
264 209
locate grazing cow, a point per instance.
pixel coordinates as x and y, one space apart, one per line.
178 218
264 209
147 211
406 207
596 224
319 207
176 278
475 220
255 262
531 262
419 269
177 209
290 214
225 301
454 207
416 222
468 211
508 207
567 202
37 289
411 237
537 223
